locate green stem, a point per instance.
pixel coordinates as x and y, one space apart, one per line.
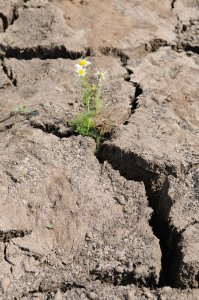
87 95
98 103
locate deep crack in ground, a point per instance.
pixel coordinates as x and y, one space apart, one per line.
135 168
41 53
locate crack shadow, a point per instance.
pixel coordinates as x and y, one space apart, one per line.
42 52
133 167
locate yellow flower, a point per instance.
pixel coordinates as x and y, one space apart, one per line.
81 72
83 63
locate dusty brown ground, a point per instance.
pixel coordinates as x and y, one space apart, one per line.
124 224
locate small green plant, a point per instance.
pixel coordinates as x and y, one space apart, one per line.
16 29
85 123
21 109
50 226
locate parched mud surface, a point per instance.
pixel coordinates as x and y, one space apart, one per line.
122 224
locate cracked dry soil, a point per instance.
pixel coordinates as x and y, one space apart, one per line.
124 224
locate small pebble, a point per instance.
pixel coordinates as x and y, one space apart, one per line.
147 293
167 289
92 296
162 297
5 284
139 270
131 295
119 269
58 295
88 236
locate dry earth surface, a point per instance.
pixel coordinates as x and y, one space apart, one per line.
122 224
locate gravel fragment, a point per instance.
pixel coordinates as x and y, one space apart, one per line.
119 269
92 296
